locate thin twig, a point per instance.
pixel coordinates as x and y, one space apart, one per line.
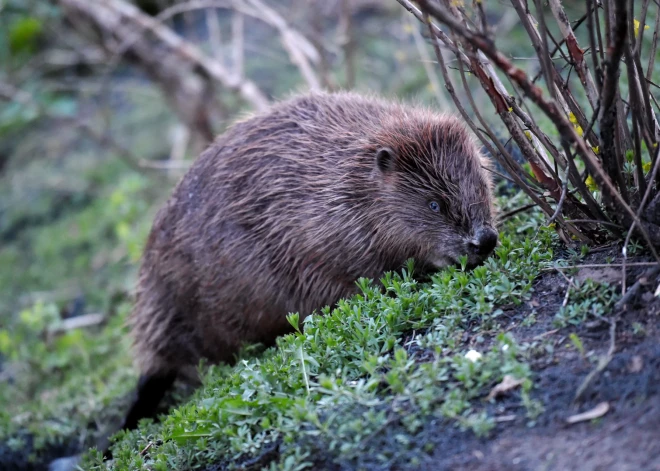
513 212
602 265
602 363
613 197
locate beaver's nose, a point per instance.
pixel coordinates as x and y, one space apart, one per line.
484 241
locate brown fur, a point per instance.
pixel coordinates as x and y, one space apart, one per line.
288 208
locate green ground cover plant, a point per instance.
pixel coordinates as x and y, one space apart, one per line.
350 372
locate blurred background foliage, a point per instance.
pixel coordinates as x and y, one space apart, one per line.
75 210
92 141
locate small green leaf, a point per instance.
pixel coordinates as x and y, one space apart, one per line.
24 33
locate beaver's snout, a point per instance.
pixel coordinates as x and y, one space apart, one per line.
484 242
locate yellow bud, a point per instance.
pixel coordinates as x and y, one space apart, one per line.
637 23
591 183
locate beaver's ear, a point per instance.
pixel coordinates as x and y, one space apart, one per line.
386 159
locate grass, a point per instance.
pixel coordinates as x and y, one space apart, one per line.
372 373
59 389
332 388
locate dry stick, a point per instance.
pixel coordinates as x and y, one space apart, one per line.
558 45
591 12
602 363
575 52
596 221
636 106
237 42
500 99
632 54
468 93
564 97
602 265
634 290
543 51
246 88
291 39
513 212
436 32
495 172
426 62
508 162
593 209
490 79
550 108
654 46
642 205
561 93
564 190
599 36
501 104
642 24
608 111
487 79
505 154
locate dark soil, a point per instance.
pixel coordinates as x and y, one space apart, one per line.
627 437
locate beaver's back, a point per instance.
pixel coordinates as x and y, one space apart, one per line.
269 220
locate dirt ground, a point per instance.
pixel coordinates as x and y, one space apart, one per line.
627 437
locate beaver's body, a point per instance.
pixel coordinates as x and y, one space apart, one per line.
287 209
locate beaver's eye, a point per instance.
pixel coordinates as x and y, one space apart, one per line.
435 207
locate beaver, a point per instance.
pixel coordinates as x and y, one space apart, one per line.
286 210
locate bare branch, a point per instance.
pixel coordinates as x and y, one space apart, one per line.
299 48
576 53
237 40
426 62
613 198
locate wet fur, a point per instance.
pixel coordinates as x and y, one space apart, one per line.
288 208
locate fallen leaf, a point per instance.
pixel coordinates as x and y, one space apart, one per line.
508 383
473 355
606 275
598 411
545 334
505 418
146 448
636 364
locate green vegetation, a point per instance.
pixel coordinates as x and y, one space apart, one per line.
350 373
389 371
393 356
56 383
